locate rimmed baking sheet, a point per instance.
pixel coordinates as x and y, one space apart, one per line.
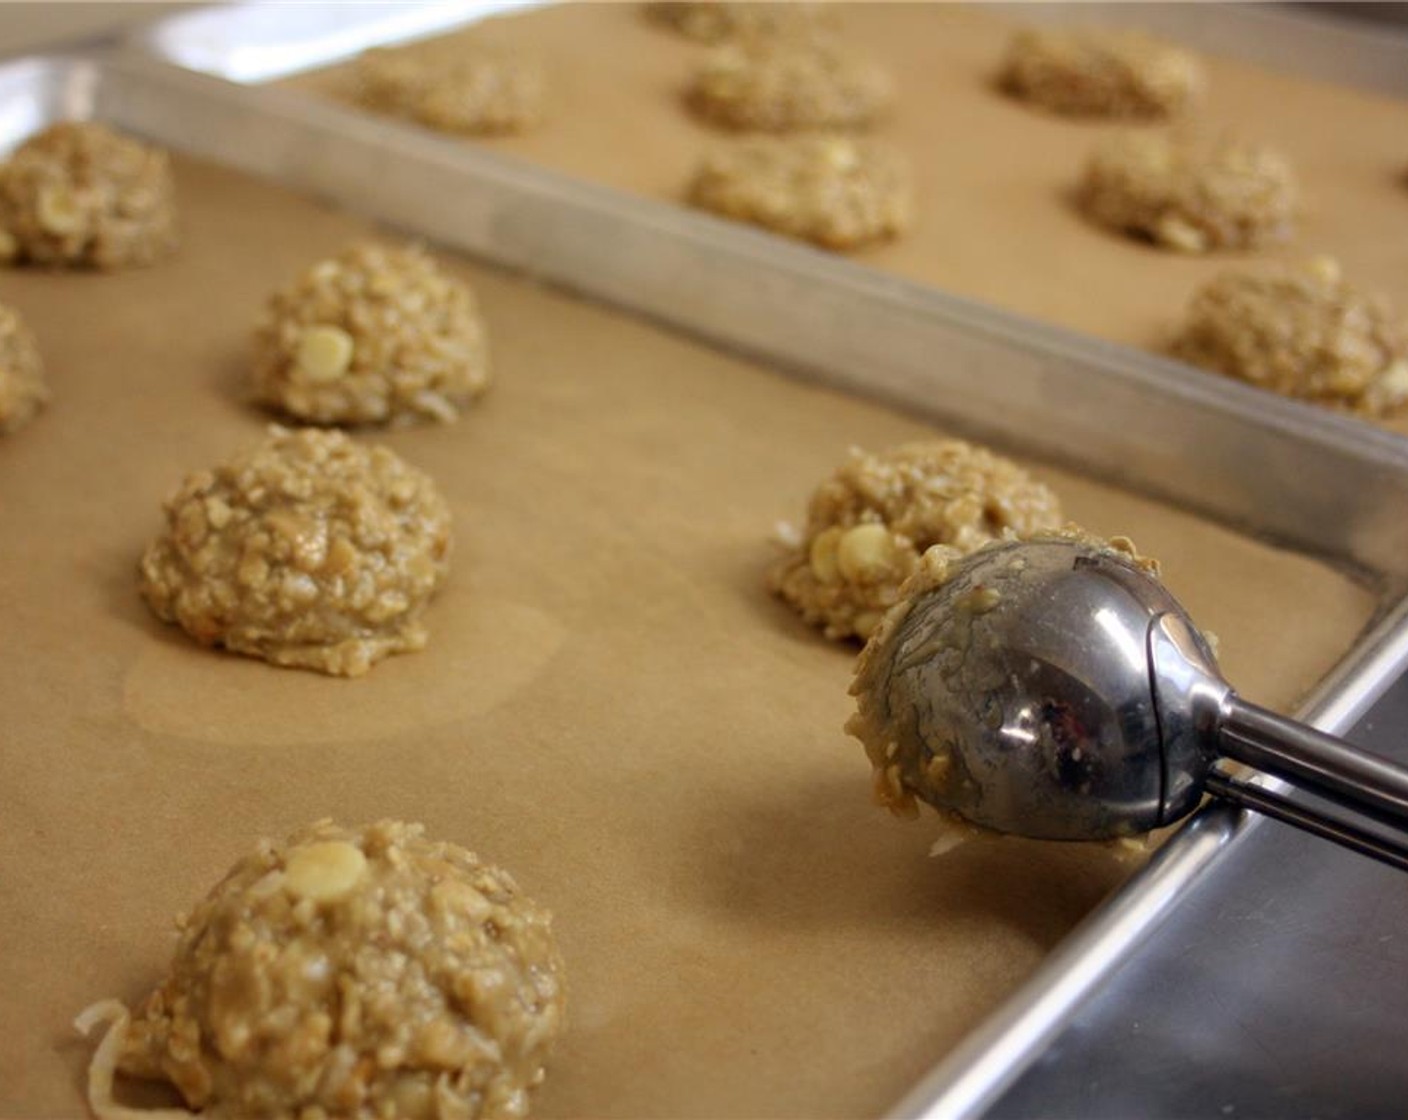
611 705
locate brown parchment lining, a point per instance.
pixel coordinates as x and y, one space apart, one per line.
994 218
611 705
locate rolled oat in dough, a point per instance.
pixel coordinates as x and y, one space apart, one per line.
373 335
80 194
869 523
356 973
309 550
776 85
23 390
1302 331
834 190
1188 193
715 21
468 89
1101 73
905 773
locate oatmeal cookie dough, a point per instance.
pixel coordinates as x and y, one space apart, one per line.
717 21
80 194
901 777
374 335
1188 193
23 390
1101 73
467 89
1302 331
357 973
309 550
777 85
868 525
834 190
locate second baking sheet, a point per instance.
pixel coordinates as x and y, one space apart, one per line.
994 216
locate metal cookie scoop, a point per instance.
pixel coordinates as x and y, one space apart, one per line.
1053 689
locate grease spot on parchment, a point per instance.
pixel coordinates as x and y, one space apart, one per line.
482 652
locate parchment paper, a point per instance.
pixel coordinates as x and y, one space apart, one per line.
611 705
993 178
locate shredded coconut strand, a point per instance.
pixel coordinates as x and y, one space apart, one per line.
103 1067
787 535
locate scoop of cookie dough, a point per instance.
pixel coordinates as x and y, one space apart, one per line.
868 525
23 390
357 973
374 335
716 21
781 85
468 89
1187 193
309 550
1095 73
1302 331
80 194
834 190
906 768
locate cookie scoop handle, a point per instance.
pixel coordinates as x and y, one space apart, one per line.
1315 763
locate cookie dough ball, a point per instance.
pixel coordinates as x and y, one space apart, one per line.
357 973
834 190
1111 74
777 85
868 525
80 194
904 772
468 89
1302 331
717 21
375 335
309 550
1189 194
23 390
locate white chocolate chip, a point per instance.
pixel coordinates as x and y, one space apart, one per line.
1325 269
325 871
866 553
840 154
58 211
324 352
217 512
866 622
822 555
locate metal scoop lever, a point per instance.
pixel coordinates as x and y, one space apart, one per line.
1077 701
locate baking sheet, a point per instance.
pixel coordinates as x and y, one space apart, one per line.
994 216
611 705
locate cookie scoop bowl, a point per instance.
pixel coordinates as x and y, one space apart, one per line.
1055 690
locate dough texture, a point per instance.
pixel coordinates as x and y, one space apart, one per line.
80 194
23 390
1302 331
354 973
374 335
1190 194
465 88
869 523
1099 73
902 777
780 85
308 550
718 21
833 190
